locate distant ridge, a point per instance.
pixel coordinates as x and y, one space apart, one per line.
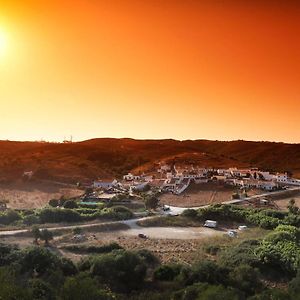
106 157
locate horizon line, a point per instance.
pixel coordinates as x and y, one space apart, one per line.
145 139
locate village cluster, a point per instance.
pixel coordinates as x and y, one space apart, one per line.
176 179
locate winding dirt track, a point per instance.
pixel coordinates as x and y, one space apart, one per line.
134 229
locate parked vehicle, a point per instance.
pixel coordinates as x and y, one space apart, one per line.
232 233
242 227
166 208
142 236
211 224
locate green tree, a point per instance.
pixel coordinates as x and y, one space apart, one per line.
151 202
123 270
9 287
54 202
293 209
70 204
36 233
82 287
245 278
40 290
38 260
46 236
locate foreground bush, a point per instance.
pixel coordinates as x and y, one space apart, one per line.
123 270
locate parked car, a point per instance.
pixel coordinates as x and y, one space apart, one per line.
242 227
142 236
232 233
211 224
166 208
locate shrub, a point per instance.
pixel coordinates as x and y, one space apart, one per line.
54 202
280 250
148 257
82 287
208 271
40 290
70 204
189 213
39 260
167 272
123 270
8 254
242 254
122 212
57 215
9 217
204 291
94 249
31 220
245 278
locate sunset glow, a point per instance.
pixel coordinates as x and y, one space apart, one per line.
3 43
150 69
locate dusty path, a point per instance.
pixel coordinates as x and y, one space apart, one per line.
135 229
180 233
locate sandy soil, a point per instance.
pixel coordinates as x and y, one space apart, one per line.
173 245
283 203
23 195
170 244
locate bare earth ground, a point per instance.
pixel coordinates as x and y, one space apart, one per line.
169 250
25 195
283 203
201 194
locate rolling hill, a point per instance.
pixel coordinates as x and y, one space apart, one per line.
107 157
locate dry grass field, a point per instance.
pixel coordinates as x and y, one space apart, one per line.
184 251
201 194
25 195
283 203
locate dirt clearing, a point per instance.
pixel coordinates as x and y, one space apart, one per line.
201 194
27 195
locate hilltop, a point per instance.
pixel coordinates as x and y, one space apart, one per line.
106 157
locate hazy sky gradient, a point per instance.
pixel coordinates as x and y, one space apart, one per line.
150 69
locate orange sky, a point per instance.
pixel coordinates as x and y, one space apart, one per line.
150 69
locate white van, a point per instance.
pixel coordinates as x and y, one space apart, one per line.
211 224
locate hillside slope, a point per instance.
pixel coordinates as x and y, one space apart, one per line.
113 157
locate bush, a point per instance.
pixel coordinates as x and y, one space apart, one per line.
208 271
54 202
280 250
41 290
204 291
123 270
294 287
10 288
242 254
189 213
122 212
31 220
245 278
38 260
8 254
70 204
148 257
94 249
9 217
57 215
82 287
167 272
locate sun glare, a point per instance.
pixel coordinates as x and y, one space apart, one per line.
3 43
